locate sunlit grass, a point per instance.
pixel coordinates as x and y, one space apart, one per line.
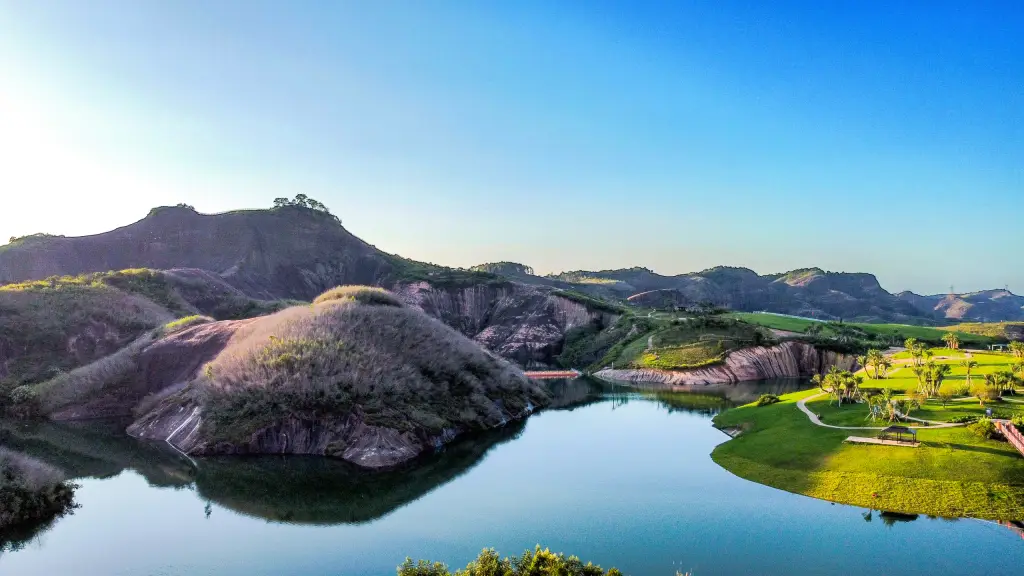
953 473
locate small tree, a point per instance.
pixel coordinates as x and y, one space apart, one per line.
945 397
986 390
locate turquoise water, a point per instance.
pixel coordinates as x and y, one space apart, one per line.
623 480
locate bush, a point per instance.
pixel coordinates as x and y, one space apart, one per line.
963 419
1018 422
30 490
183 323
489 563
984 428
369 295
767 399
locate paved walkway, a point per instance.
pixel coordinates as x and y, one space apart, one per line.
802 405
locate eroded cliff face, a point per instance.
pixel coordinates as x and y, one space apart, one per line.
787 360
523 323
179 422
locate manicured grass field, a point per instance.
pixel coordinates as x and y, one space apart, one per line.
775 322
899 331
901 377
954 472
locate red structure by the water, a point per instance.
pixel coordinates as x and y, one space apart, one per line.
552 374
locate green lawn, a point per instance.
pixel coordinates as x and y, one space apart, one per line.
954 473
775 322
902 378
979 338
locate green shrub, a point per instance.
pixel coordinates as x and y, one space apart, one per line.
30 490
532 563
369 295
1018 422
183 323
767 399
968 419
985 428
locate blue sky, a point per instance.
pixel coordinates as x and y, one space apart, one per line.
881 137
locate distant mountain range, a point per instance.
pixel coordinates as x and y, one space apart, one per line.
296 253
983 306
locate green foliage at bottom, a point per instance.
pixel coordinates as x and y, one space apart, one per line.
532 563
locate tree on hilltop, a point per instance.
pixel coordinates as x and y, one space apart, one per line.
303 201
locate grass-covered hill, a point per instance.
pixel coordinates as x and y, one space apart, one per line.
51 326
357 375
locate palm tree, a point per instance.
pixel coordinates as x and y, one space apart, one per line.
874 358
885 366
969 365
863 361
952 340
1017 348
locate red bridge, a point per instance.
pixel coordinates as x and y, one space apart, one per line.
553 374
1008 430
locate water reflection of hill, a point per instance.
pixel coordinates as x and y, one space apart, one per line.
312 490
96 449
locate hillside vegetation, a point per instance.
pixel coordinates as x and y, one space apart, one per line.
50 326
359 350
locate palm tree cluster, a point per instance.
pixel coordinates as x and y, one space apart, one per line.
887 406
877 362
841 385
952 340
918 352
1017 349
930 376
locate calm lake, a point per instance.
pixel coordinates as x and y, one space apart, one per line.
619 478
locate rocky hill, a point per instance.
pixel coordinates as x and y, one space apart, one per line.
357 375
287 252
808 292
983 306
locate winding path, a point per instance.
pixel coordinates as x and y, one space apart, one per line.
802 405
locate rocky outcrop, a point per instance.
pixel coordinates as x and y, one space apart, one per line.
526 324
787 360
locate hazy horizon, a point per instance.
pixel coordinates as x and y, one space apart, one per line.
672 136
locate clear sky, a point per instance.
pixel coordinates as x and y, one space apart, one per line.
884 137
